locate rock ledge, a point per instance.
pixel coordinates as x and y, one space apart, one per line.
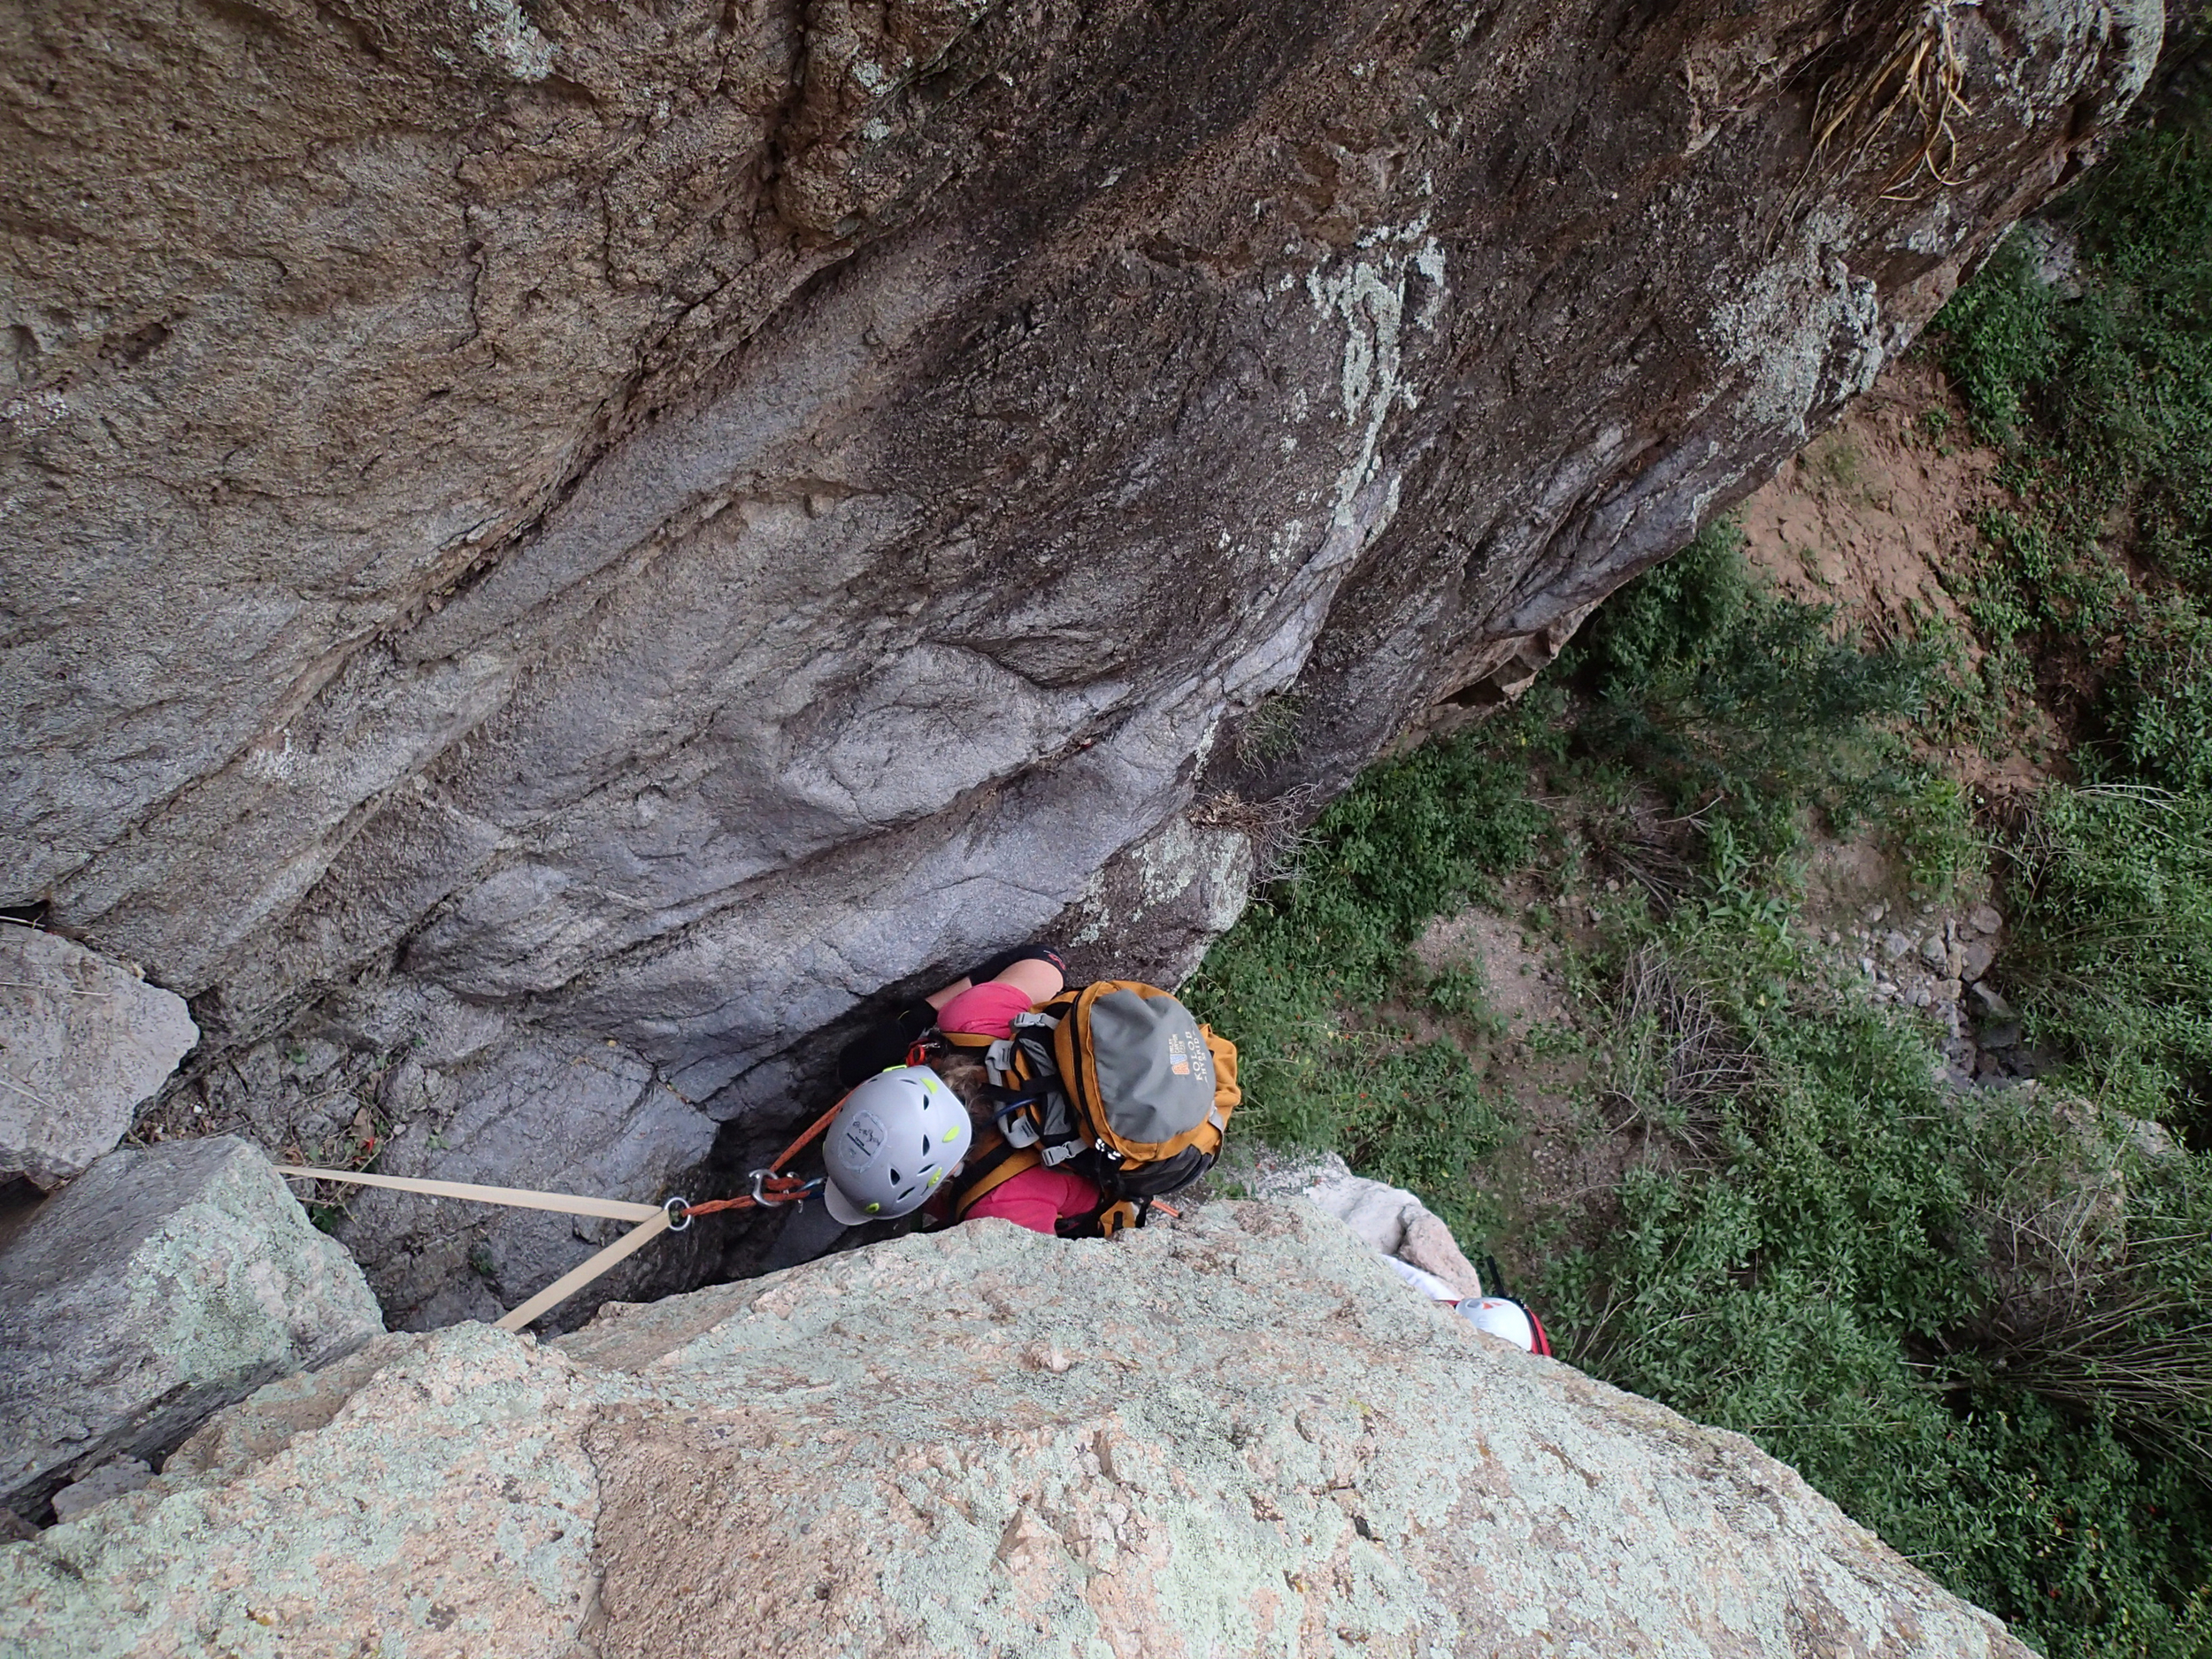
1236 1436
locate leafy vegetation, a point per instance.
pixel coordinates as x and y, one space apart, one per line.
1300 976
1981 1322
1802 1250
2100 387
1742 710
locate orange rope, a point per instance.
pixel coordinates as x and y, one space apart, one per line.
776 1187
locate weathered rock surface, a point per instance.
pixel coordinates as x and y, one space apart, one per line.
667 524
159 1286
1242 1436
82 1043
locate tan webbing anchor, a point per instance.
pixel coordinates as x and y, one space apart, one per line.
652 1219
771 1186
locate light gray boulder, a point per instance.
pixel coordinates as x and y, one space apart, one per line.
83 1041
1237 1435
161 1286
111 1480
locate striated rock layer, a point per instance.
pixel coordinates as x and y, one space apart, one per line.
663 524
1243 1437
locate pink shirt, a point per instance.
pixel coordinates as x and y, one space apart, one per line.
1037 1198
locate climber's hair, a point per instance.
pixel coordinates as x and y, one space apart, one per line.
967 1076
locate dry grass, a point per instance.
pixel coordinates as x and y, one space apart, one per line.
1638 842
1676 1062
1904 67
1279 829
2098 1355
2081 1314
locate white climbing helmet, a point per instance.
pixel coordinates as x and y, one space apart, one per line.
896 1138
1501 1319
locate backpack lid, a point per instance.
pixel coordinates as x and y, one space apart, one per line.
1155 1072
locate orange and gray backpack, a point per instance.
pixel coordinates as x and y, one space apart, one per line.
1114 1081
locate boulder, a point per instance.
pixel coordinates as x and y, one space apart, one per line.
1240 1434
111 1480
83 1043
159 1286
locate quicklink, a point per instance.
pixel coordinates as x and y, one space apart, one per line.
771 1186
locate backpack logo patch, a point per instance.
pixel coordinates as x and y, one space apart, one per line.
1185 1054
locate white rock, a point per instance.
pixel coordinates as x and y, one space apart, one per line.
111 1480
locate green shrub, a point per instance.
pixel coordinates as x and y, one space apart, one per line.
2000 340
2105 399
2110 891
1301 980
1742 708
1814 1276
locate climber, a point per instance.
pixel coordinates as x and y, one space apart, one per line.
1416 1246
1151 1095
984 1004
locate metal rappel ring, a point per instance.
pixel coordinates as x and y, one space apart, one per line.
676 1220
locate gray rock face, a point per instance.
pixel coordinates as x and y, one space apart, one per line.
157 1288
668 525
1222 1438
82 1043
559 1117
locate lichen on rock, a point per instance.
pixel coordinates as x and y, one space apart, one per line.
1241 1435
162 1284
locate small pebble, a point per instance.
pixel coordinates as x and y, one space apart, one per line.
1985 919
1866 966
1875 912
1932 950
1895 945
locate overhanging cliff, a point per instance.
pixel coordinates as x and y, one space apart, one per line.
579 545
